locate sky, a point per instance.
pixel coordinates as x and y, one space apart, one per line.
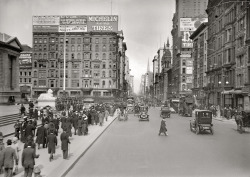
146 24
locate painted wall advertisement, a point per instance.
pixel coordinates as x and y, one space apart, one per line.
25 59
189 79
191 24
103 23
75 23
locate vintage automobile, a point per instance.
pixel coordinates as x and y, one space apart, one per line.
143 115
165 112
202 122
243 121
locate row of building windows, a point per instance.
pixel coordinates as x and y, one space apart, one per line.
77 48
77 56
25 73
74 40
75 83
25 80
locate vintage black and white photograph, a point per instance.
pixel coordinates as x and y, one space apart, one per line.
124 88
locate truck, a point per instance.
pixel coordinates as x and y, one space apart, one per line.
186 105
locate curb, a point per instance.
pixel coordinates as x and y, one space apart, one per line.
73 164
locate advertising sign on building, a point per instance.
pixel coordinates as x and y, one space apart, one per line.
189 62
189 70
45 28
73 20
46 20
191 24
102 23
25 59
73 28
185 36
187 45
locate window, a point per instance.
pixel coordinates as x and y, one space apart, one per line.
96 40
103 84
183 70
96 93
86 64
104 48
96 56
74 83
183 62
75 74
40 40
79 40
42 65
78 48
183 78
45 56
96 66
103 74
35 64
104 56
40 48
104 40
96 48
35 40
110 73
45 40
72 56
21 80
42 83
52 84
35 83
110 84
72 48
103 65
86 84
183 87
75 65
72 40
78 56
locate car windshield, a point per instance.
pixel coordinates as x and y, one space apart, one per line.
205 114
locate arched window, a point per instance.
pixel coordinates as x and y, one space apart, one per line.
35 83
78 48
103 74
45 56
110 56
183 87
35 47
97 56
103 84
104 56
40 56
35 56
72 48
35 73
96 48
40 47
45 47
104 48
78 56
35 64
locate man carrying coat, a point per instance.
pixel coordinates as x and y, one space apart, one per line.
65 143
28 160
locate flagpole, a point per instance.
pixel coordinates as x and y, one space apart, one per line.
64 60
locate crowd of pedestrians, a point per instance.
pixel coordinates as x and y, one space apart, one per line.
74 120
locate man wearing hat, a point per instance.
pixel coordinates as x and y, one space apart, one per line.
64 143
8 158
51 144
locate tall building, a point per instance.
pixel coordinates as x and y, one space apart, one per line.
10 49
189 14
25 72
228 54
94 52
199 54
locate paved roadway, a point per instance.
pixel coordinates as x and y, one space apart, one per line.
134 148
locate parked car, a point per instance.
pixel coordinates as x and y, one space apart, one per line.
202 122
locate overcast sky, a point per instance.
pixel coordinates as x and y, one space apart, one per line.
146 24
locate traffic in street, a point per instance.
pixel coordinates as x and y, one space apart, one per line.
134 148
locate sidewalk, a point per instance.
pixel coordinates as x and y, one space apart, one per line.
11 109
78 147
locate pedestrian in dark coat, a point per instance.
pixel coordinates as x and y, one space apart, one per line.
28 160
41 136
22 110
8 158
63 119
79 125
35 115
51 143
29 130
85 125
75 122
17 127
65 143
68 127
163 127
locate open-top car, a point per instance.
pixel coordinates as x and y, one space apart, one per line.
202 122
143 115
165 112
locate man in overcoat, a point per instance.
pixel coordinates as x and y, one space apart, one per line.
28 160
41 136
51 144
75 121
29 130
7 159
65 143
163 127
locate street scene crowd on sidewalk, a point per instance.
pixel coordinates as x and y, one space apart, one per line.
71 120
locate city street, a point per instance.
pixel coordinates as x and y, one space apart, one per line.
133 148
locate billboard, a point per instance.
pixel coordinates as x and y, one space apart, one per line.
73 28
103 23
187 45
189 70
75 23
191 24
25 59
46 20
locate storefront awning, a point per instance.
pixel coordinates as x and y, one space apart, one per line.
237 92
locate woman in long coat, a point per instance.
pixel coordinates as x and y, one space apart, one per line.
51 143
163 127
41 136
